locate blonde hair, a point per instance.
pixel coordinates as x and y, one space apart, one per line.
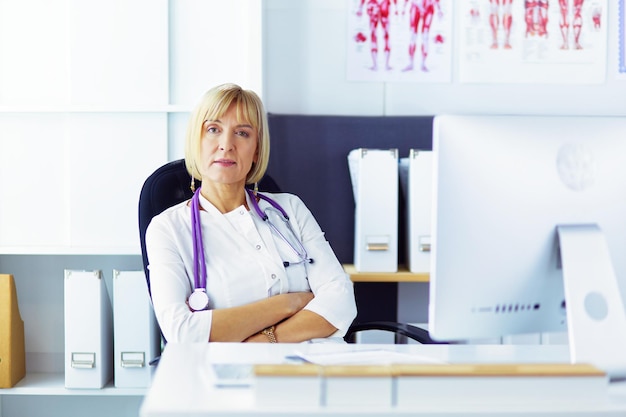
213 105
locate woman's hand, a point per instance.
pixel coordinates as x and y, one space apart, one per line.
304 325
294 301
257 338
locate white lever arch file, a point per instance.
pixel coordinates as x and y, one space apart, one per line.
137 339
416 179
374 175
88 330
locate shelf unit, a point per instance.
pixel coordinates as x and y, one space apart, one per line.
44 394
90 105
402 275
45 391
54 384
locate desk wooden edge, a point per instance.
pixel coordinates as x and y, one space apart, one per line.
402 275
432 370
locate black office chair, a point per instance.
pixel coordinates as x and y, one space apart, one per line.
402 332
170 184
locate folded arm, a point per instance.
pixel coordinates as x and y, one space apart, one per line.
236 324
304 325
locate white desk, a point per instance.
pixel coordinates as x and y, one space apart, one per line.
181 386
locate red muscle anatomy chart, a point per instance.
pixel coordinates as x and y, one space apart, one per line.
400 40
532 41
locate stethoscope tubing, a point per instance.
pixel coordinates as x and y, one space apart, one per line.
199 264
299 251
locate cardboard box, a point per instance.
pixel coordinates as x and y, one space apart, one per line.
12 349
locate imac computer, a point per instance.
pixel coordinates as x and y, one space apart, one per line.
529 231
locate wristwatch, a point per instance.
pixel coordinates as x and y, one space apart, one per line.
269 332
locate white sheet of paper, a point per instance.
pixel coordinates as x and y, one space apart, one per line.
364 357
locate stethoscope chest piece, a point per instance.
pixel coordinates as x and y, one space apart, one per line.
198 300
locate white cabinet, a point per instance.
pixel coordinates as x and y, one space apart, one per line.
43 395
83 121
118 52
32 180
62 53
73 179
106 173
93 95
34 52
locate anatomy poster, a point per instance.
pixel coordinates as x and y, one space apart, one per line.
536 41
400 40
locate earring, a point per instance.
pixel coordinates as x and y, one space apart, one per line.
193 184
256 188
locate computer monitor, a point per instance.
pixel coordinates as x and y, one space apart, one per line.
518 200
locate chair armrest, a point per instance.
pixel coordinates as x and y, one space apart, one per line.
401 330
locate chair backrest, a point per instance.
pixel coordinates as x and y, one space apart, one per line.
168 185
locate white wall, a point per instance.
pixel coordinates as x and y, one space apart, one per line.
305 72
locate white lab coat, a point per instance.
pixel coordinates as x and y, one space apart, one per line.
244 261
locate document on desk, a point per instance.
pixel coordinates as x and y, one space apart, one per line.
364 357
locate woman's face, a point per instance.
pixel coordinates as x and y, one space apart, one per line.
228 149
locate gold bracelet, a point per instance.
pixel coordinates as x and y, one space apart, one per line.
269 332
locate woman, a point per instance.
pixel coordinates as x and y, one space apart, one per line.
264 282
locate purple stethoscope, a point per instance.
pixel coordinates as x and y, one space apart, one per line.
199 300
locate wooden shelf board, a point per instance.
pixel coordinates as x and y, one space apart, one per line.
402 275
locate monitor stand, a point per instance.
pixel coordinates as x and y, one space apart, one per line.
596 319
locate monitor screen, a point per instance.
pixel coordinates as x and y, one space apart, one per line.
502 188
